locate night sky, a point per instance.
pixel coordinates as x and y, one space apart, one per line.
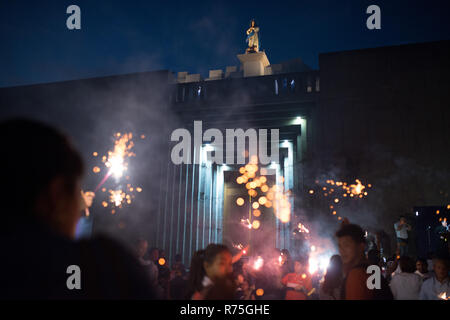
134 36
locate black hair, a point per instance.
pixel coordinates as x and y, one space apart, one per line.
34 154
406 264
423 260
373 255
197 271
353 231
301 259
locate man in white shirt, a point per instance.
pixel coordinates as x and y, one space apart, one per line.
437 287
401 231
422 269
406 285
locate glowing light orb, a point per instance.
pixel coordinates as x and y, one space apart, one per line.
240 201
262 200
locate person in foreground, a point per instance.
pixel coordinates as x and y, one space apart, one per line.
351 243
41 174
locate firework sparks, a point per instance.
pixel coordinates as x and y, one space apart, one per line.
302 228
117 165
246 223
336 189
116 159
116 197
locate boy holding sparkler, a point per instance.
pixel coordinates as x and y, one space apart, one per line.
298 283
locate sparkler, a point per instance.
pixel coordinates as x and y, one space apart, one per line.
302 228
246 223
443 296
258 263
117 165
115 161
116 197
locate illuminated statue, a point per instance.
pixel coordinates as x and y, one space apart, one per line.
252 38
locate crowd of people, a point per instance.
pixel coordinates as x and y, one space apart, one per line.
42 206
215 273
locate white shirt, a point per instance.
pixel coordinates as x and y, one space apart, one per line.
403 232
432 288
406 286
424 275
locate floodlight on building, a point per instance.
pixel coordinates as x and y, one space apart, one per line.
298 120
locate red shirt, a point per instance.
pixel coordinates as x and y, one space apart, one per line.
356 285
293 279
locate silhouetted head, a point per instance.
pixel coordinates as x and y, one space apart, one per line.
40 176
406 264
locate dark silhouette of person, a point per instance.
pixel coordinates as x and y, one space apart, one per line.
40 185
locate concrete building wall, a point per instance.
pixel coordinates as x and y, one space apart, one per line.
383 114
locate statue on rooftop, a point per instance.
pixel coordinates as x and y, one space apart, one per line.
252 38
